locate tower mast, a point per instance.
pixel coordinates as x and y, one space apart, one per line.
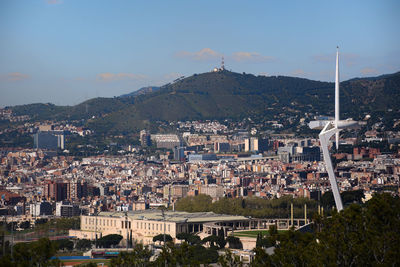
337 118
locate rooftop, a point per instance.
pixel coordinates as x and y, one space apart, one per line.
175 216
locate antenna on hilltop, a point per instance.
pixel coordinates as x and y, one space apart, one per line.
222 63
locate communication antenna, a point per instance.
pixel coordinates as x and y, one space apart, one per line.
222 63
329 129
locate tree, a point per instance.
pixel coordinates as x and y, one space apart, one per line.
140 256
83 244
221 239
64 244
197 203
259 240
25 225
211 240
109 240
189 238
160 238
234 242
261 258
34 254
359 235
229 260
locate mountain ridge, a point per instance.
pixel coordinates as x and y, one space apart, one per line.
225 94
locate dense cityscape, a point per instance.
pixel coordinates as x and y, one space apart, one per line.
209 133
163 171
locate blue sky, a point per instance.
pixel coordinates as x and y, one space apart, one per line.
67 51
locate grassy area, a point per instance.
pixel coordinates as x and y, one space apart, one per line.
253 233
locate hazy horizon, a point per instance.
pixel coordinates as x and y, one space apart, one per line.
65 52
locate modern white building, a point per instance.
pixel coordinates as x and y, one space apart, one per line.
144 225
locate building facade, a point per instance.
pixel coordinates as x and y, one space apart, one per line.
144 225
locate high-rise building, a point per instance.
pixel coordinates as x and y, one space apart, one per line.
251 144
50 140
80 189
145 139
66 209
179 154
42 208
222 147
57 191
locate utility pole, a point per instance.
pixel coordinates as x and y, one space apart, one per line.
95 230
127 233
163 215
291 214
4 236
12 234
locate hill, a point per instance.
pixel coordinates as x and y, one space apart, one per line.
142 91
225 94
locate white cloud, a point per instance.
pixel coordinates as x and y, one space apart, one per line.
202 55
347 58
369 71
250 56
54 2
107 76
299 73
16 76
172 76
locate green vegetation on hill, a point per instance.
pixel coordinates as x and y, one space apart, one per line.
220 95
254 206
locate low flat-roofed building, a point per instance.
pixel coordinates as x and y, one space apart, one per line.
144 225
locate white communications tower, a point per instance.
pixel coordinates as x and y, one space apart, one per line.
330 128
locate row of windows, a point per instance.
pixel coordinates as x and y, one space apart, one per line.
127 224
152 226
103 222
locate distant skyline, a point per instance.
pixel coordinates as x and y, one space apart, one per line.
68 51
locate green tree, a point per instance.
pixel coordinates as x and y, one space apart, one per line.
261 258
221 239
34 254
160 238
25 224
234 242
64 244
197 203
83 244
359 235
211 240
229 260
109 240
140 256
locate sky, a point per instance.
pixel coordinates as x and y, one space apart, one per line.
67 51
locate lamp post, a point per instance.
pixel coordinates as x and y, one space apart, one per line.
95 229
163 215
